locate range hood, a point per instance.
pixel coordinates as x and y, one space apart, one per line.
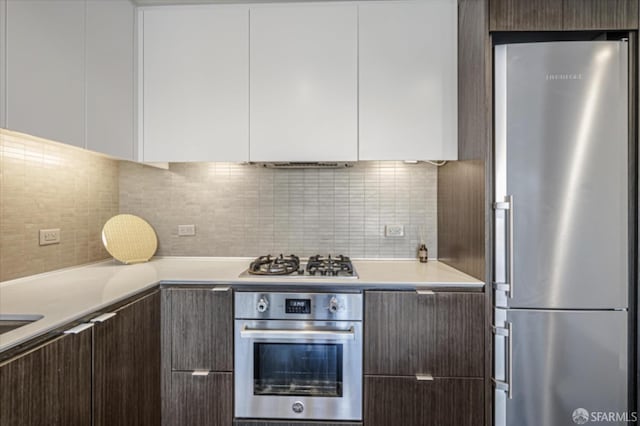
305 164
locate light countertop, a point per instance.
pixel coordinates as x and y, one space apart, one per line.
68 294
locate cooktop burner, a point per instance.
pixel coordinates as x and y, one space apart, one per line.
290 266
280 265
318 265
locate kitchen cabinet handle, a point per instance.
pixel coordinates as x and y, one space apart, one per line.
425 292
200 373
225 288
283 334
103 317
79 328
424 377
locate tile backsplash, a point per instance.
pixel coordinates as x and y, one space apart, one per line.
245 210
48 185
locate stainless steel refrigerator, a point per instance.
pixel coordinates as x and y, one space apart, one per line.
561 232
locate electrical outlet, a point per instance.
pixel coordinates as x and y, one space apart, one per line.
49 236
394 231
186 230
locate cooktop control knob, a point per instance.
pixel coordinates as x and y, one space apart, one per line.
333 305
263 305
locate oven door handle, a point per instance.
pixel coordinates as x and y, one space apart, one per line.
284 334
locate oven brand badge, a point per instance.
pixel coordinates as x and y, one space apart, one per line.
297 407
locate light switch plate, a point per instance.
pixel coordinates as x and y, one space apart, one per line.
186 230
49 236
394 231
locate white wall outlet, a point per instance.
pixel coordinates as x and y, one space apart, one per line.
49 236
186 230
394 231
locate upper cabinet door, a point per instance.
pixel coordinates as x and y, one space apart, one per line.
408 80
304 82
525 15
45 69
600 14
109 74
195 75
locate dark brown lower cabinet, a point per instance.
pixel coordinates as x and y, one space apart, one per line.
201 400
106 375
403 400
290 423
127 365
50 385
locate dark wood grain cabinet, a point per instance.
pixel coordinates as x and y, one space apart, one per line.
201 329
525 15
49 385
424 358
559 15
409 333
390 400
197 376
600 14
127 365
108 374
201 399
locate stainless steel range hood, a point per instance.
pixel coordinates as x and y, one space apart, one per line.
305 164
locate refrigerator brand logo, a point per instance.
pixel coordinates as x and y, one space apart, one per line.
564 77
581 416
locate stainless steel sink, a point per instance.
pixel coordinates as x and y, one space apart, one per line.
10 322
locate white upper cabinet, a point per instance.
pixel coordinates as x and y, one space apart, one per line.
304 82
408 80
45 69
66 72
109 77
195 77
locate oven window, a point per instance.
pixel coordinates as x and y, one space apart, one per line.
297 369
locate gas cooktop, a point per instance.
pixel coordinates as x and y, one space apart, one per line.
291 267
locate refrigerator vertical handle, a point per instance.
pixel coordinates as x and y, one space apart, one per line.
507 384
507 285
509 360
509 199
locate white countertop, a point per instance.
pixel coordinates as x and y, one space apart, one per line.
68 294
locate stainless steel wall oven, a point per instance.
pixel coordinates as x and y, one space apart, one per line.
298 355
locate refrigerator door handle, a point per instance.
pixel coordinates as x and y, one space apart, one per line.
507 205
507 385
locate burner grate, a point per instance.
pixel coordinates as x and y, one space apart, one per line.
341 265
280 265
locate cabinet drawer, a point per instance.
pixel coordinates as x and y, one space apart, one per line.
201 400
407 333
437 402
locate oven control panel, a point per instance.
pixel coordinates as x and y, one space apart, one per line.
297 306
291 305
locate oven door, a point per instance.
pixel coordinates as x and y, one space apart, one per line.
298 369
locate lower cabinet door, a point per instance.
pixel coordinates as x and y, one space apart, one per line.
127 365
201 400
50 385
396 400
